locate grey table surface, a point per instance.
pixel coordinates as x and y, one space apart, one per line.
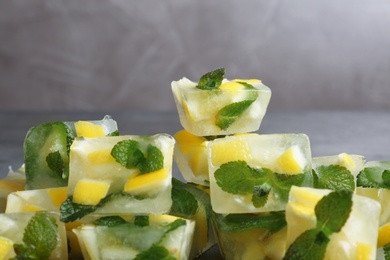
330 132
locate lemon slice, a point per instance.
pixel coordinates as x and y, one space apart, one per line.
148 182
6 247
291 161
230 149
89 191
88 129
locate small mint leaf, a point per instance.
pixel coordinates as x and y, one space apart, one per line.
272 221
211 80
386 178
40 238
229 113
333 210
184 203
114 133
56 164
153 161
127 153
370 177
109 221
334 177
141 221
238 178
309 245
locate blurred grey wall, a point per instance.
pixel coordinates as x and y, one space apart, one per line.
123 54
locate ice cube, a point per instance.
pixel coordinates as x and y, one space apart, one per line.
253 173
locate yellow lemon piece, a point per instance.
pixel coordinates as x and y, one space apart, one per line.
291 161
346 160
231 86
101 157
363 251
57 195
32 208
383 235
187 141
145 182
88 129
90 192
6 247
234 149
163 218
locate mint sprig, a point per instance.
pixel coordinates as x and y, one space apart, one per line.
332 212
128 154
333 177
227 115
386 251
211 80
239 178
374 177
184 203
272 221
109 221
40 238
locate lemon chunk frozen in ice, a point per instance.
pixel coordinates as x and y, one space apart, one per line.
89 191
292 161
191 157
6 247
88 129
384 235
146 183
232 149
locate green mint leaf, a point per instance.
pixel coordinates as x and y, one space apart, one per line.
155 252
333 210
71 211
281 183
109 221
386 178
260 195
153 161
229 113
56 164
211 80
115 133
184 203
238 178
371 177
174 225
127 153
311 244
333 177
141 221
40 238
272 221
386 250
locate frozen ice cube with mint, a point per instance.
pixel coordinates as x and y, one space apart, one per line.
254 173
217 106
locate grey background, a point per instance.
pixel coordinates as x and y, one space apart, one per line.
123 54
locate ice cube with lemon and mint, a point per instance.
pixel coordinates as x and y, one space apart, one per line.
46 149
331 224
252 173
136 237
374 182
32 235
215 105
119 174
250 236
337 172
